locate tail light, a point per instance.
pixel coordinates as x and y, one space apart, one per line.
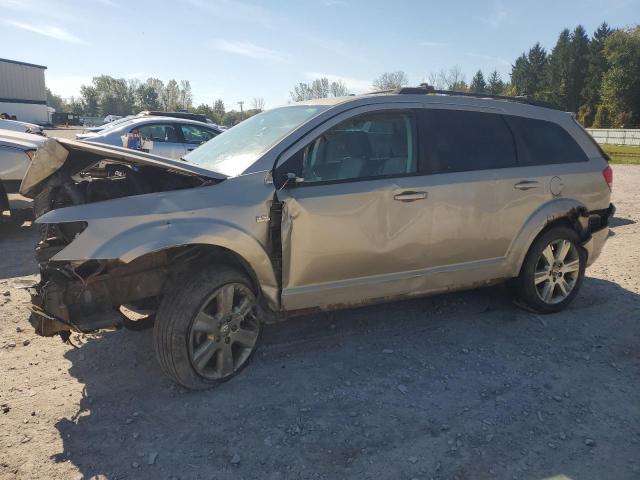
607 173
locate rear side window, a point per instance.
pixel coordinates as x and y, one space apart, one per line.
458 140
544 143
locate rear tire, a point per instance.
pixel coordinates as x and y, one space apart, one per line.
552 272
207 328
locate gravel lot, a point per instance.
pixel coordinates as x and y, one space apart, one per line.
460 386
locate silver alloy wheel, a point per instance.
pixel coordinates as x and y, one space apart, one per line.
557 271
224 332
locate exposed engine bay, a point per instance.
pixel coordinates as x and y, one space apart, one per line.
84 295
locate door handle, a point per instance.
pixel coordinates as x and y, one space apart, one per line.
410 196
526 185
191 149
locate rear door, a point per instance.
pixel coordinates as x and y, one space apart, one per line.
165 139
550 165
194 135
462 155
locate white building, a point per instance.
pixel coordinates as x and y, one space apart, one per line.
22 91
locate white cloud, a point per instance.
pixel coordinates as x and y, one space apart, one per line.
497 16
248 49
355 85
50 31
433 44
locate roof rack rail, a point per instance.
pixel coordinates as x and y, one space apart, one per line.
425 89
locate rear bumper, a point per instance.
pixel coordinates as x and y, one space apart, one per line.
599 233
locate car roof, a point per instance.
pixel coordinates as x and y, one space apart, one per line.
20 139
17 122
503 105
155 119
16 143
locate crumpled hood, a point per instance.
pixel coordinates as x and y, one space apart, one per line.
52 155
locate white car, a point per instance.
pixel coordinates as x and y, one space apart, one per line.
23 127
165 136
111 118
16 153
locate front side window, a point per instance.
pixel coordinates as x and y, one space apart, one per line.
460 140
196 135
157 133
544 143
370 145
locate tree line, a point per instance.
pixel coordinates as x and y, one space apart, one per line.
119 96
597 77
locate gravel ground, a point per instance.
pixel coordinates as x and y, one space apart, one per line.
460 386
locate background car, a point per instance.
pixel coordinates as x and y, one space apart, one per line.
18 126
104 126
16 152
171 137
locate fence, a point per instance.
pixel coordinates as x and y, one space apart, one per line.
615 136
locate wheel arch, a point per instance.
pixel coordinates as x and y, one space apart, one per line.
136 241
561 212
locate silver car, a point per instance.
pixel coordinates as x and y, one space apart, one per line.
167 136
16 151
319 205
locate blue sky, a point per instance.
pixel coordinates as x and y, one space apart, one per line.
238 50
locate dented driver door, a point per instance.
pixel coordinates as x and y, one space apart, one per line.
350 243
354 213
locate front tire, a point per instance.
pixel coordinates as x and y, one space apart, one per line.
552 272
207 328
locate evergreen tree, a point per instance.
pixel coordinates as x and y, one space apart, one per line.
495 85
528 73
519 74
478 85
558 71
578 68
597 66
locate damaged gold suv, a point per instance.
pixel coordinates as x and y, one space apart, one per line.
317 205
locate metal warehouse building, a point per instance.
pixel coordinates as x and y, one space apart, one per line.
22 91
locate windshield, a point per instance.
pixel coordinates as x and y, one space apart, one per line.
234 150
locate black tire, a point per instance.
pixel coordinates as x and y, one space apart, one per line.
174 330
525 286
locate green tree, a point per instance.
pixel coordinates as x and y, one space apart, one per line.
90 100
558 73
478 84
578 68
620 89
147 97
495 85
55 101
529 71
185 97
170 96
598 65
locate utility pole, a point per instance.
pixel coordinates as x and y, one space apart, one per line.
241 103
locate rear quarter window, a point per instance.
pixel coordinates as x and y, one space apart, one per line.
543 143
459 140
